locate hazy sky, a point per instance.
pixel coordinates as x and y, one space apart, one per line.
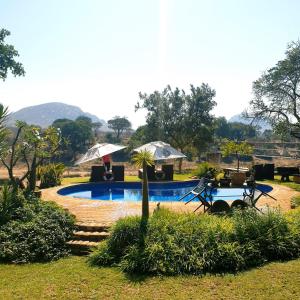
99 54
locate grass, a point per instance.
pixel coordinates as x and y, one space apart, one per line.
293 185
72 278
129 178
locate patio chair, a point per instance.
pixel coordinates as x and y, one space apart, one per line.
238 204
118 172
205 198
168 171
219 207
97 173
150 172
196 190
253 196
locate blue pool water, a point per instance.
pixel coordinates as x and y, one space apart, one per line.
132 191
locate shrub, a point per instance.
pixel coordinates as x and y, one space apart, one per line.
50 175
36 231
204 169
124 233
175 243
10 200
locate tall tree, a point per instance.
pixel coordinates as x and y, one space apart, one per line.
32 145
184 120
119 125
78 134
7 58
277 92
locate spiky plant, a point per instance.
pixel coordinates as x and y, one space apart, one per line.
142 160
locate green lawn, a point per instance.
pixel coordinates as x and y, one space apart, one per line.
72 278
71 180
291 184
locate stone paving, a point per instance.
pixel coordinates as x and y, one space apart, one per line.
107 212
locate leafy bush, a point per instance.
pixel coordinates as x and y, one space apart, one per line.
35 231
205 169
10 200
195 244
50 175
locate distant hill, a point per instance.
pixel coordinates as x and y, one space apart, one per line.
240 119
45 114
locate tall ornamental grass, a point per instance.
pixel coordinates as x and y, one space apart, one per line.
196 244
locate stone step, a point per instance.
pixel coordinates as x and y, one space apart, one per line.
91 227
81 247
92 236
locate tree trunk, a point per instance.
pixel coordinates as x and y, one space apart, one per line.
145 200
32 175
180 165
238 162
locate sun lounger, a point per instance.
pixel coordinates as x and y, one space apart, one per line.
197 190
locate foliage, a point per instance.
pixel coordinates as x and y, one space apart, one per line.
3 130
205 169
231 147
295 202
196 244
7 58
119 125
36 231
50 175
142 160
10 200
233 130
32 145
277 94
78 134
183 120
141 136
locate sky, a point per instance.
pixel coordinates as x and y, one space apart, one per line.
99 55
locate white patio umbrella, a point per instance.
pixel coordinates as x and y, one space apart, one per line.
161 151
98 151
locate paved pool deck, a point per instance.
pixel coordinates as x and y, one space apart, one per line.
106 212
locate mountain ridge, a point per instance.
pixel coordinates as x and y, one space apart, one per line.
45 114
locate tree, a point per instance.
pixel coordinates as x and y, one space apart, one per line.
7 58
119 125
233 130
141 136
32 145
183 120
142 160
231 147
78 134
277 92
3 130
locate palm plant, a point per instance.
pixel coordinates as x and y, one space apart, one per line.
142 160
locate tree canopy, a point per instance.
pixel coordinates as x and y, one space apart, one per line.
32 145
78 134
119 125
277 92
233 130
231 147
7 58
182 119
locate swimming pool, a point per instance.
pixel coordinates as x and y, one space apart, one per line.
162 192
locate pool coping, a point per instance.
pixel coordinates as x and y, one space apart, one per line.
106 212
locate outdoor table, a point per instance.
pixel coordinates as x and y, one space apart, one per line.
227 171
